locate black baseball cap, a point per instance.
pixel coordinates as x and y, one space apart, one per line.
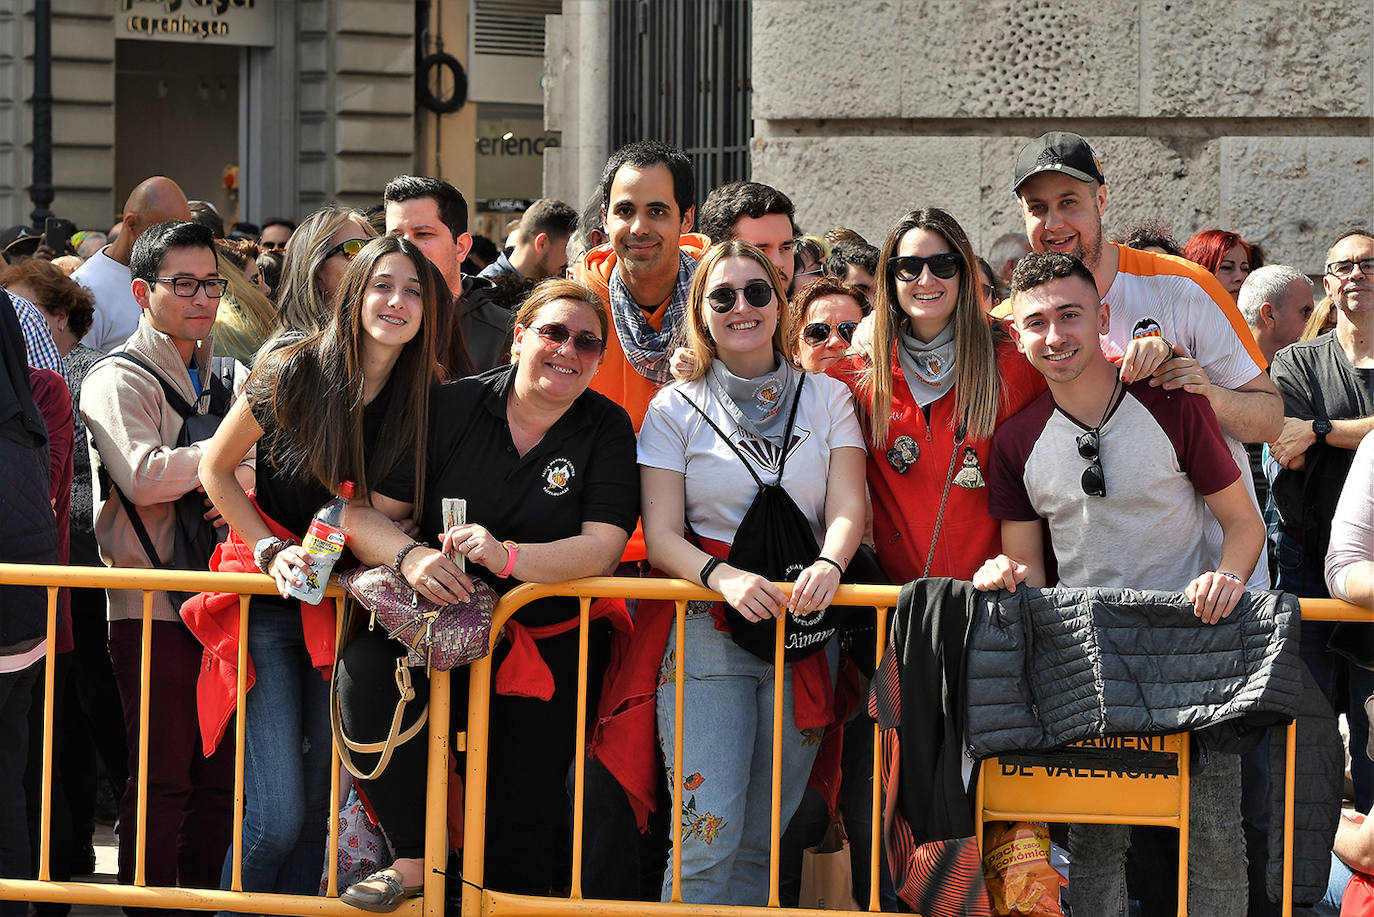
1057 151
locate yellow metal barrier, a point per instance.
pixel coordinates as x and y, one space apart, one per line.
476 899
139 894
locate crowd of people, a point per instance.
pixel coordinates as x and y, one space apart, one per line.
614 393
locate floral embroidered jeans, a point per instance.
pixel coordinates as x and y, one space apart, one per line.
727 759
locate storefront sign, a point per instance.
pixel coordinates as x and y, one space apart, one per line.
218 22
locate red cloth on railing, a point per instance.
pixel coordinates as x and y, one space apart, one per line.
213 618
523 673
625 736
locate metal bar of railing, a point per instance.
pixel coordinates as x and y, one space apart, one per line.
775 820
145 683
49 685
679 706
436 795
875 852
580 744
240 741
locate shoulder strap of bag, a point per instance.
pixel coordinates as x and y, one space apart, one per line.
174 398
394 736
137 522
786 436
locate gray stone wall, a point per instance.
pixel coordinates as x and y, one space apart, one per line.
1251 116
356 62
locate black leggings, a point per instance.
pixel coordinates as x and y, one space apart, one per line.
531 747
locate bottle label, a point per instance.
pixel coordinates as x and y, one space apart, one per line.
324 540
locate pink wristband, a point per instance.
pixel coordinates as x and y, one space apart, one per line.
512 549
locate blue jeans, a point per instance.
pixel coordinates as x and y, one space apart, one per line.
286 759
1339 878
728 761
1217 883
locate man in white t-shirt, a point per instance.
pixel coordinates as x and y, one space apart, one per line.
106 273
1063 195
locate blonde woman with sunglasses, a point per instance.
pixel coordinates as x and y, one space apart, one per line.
743 416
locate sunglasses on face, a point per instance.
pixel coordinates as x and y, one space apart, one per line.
909 267
817 333
348 247
1094 482
558 334
757 293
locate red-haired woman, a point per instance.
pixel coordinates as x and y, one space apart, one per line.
1223 253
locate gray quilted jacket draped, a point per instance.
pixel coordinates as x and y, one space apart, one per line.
1051 666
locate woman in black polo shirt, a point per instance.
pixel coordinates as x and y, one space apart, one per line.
548 471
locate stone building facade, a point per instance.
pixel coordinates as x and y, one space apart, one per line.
1253 116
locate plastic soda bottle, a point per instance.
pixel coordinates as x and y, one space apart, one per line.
324 542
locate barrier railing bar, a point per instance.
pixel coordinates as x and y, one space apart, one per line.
679 688
332 884
580 744
240 740
875 851
1290 764
436 795
145 684
474 789
775 819
1185 793
49 684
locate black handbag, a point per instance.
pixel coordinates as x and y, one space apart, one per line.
774 540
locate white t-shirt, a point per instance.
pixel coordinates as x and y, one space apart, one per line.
1189 307
116 310
719 488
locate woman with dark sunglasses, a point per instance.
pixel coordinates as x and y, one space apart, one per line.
823 317
547 469
346 403
941 376
705 444
316 259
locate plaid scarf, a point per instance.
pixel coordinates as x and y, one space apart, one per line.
646 349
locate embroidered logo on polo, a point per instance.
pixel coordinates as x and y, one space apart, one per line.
765 455
558 474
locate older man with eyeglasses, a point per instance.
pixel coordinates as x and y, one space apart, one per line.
1120 473
1327 385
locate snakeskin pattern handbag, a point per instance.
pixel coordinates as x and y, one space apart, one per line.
435 636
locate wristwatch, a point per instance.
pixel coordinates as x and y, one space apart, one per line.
1321 427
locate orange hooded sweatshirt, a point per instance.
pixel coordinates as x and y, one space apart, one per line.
617 379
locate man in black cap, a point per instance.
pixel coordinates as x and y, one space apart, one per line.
1170 318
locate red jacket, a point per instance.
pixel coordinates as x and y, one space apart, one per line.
213 618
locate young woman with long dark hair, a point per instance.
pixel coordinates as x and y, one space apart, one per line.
346 403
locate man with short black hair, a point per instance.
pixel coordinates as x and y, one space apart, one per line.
755 213
856 263
541 245
1059 185
434 215
1105 465
133 428
1276 301
276 232
1327 385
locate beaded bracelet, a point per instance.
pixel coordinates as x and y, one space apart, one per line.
401 556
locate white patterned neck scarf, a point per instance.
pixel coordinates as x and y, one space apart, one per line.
648 350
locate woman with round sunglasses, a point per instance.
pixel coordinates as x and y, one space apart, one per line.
825 314
547 469
342 404
316 259
941 376
746 388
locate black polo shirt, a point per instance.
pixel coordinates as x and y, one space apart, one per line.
583 470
